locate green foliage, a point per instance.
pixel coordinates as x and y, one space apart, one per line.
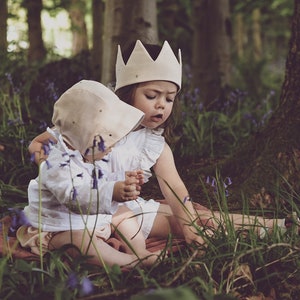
219 131
235 264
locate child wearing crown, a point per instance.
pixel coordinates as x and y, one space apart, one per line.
149 78
72 201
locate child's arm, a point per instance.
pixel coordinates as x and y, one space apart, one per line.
36 146
130 188
73 185
175 192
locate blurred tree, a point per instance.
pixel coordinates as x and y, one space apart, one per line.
36 51
77 11
271 158
3 26
211 48
98 23
174 25
256 34
125 22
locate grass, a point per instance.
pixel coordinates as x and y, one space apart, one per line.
236 264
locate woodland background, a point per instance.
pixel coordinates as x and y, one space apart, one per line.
234 55
238 126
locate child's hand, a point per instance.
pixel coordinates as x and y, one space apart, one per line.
130 188
191 235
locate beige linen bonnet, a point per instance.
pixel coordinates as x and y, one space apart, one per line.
89 110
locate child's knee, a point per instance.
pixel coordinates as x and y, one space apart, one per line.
123 213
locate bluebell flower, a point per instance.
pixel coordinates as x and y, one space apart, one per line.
43 125
95 142
100 173
95 180
46 149
86 152
101 145
86 287
63 164
32 157
228 181
74 194
18 218
48 164
72 281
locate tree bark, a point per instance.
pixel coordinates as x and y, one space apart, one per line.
3 26
37 50
98 23
125 22
256 34
270 160
211 48
76 11
239 35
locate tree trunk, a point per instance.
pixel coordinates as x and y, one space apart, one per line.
271 159
98 18
125 22
76 11
37 50
3 26
239 35
256 34
211 48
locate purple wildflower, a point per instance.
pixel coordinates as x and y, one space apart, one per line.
74 194
32 157
18 218
86 287
95 180
100 173
43 125
86 152
48 164
46 149
72 281
63 164
101 145
95 142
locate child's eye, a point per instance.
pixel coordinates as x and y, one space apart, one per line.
151 97
170 100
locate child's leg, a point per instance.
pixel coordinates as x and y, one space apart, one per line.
165 222
127 229
101 253
240 221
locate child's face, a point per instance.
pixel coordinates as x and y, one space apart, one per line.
155 99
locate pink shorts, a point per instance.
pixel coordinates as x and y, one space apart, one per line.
30 237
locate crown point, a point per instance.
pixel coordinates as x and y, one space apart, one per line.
141 67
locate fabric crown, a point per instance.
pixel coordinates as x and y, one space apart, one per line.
140 66
89 110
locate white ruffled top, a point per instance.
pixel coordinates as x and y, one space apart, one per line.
138 150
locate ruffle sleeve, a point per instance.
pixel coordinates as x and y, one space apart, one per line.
153 146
